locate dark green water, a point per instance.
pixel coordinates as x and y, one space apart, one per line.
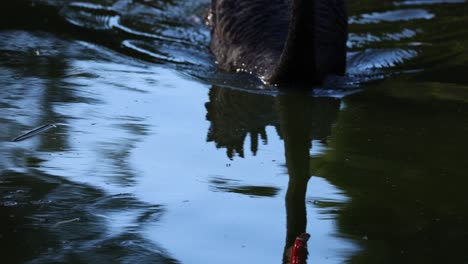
159 158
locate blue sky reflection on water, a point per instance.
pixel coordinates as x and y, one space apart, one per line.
170 163
141 130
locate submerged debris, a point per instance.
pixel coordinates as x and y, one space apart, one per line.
66 221
34 132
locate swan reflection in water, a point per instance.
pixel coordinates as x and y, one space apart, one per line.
299 120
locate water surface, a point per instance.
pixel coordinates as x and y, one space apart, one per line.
157 157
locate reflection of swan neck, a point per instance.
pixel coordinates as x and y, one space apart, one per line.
294 117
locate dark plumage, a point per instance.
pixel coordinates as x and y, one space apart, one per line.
280 41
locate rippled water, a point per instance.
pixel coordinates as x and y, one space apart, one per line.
157 157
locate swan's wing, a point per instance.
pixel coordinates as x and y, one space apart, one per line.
248 32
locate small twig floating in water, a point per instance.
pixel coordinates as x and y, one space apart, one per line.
66 221
34 132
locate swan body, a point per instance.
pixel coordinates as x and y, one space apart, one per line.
280 41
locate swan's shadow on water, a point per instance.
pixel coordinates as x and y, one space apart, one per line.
299 120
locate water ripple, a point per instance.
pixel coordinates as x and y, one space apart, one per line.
428 2
357 40
391 16
373 59
89 15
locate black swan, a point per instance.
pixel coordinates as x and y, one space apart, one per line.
280 41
